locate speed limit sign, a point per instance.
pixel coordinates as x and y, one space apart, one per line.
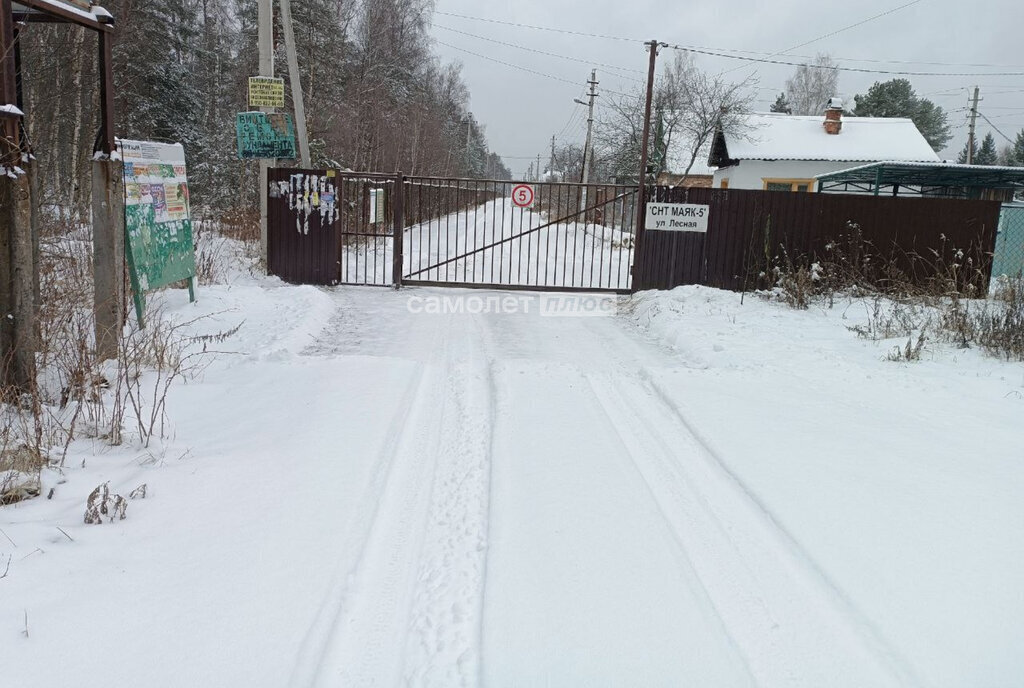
522 195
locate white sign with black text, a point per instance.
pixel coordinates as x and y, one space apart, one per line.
677 217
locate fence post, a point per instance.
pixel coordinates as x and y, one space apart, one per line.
18 341
398 231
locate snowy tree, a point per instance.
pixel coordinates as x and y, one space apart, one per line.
693 104
1015 154
812 86
782 105
157 94
987 153
376 96
896 98
962 158
1006 156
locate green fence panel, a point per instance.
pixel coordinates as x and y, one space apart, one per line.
1008 257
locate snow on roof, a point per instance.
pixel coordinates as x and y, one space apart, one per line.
777 136
93 13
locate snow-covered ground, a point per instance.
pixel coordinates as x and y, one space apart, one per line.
498 243
405 488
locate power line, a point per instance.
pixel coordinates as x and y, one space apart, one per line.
541 28
519 67
569 122
507 64
982 114
549 54
851 26
841 69
716 51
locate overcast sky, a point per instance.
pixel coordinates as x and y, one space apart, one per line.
522 110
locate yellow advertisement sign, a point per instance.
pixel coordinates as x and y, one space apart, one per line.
266 91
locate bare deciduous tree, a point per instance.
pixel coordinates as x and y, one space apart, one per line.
701 104
691 105
811 86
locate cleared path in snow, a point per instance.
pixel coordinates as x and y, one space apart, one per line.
542 513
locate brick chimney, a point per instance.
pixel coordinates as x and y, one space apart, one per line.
834 116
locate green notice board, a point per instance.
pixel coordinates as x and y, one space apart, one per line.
262 135
157 222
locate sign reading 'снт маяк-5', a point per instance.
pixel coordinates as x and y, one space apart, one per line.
677 217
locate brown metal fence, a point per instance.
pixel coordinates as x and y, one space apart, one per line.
748 231
302 215
468 232
365 227
334 227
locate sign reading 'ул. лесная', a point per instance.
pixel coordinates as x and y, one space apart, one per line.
677 217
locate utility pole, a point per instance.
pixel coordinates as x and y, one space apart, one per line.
587 152
970 132
641 191
265 43
551 167
536 170
293 78
469 128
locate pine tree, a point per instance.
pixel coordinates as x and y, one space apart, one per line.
782 105
987 154
154 73
962 158
896 98
1017 152
658 148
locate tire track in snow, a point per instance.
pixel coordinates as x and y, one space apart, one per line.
445 640
811 574
776 604
366 647
326 629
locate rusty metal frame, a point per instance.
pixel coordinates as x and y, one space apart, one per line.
51 12
44 11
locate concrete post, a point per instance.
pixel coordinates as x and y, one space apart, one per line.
108 254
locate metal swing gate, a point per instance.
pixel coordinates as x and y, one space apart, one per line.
334 227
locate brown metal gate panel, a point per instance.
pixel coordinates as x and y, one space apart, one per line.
366 224
303 242
473 233
747 230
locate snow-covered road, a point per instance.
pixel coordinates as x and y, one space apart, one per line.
547 515
383 493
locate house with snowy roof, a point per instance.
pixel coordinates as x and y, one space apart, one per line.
780 152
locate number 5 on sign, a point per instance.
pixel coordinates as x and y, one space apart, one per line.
522 196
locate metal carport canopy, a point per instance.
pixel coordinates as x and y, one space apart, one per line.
874 176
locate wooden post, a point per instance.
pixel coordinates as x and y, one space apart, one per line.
17 282
17 256
641 192
398 231
106 68
108 254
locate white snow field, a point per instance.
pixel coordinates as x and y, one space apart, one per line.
376 490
